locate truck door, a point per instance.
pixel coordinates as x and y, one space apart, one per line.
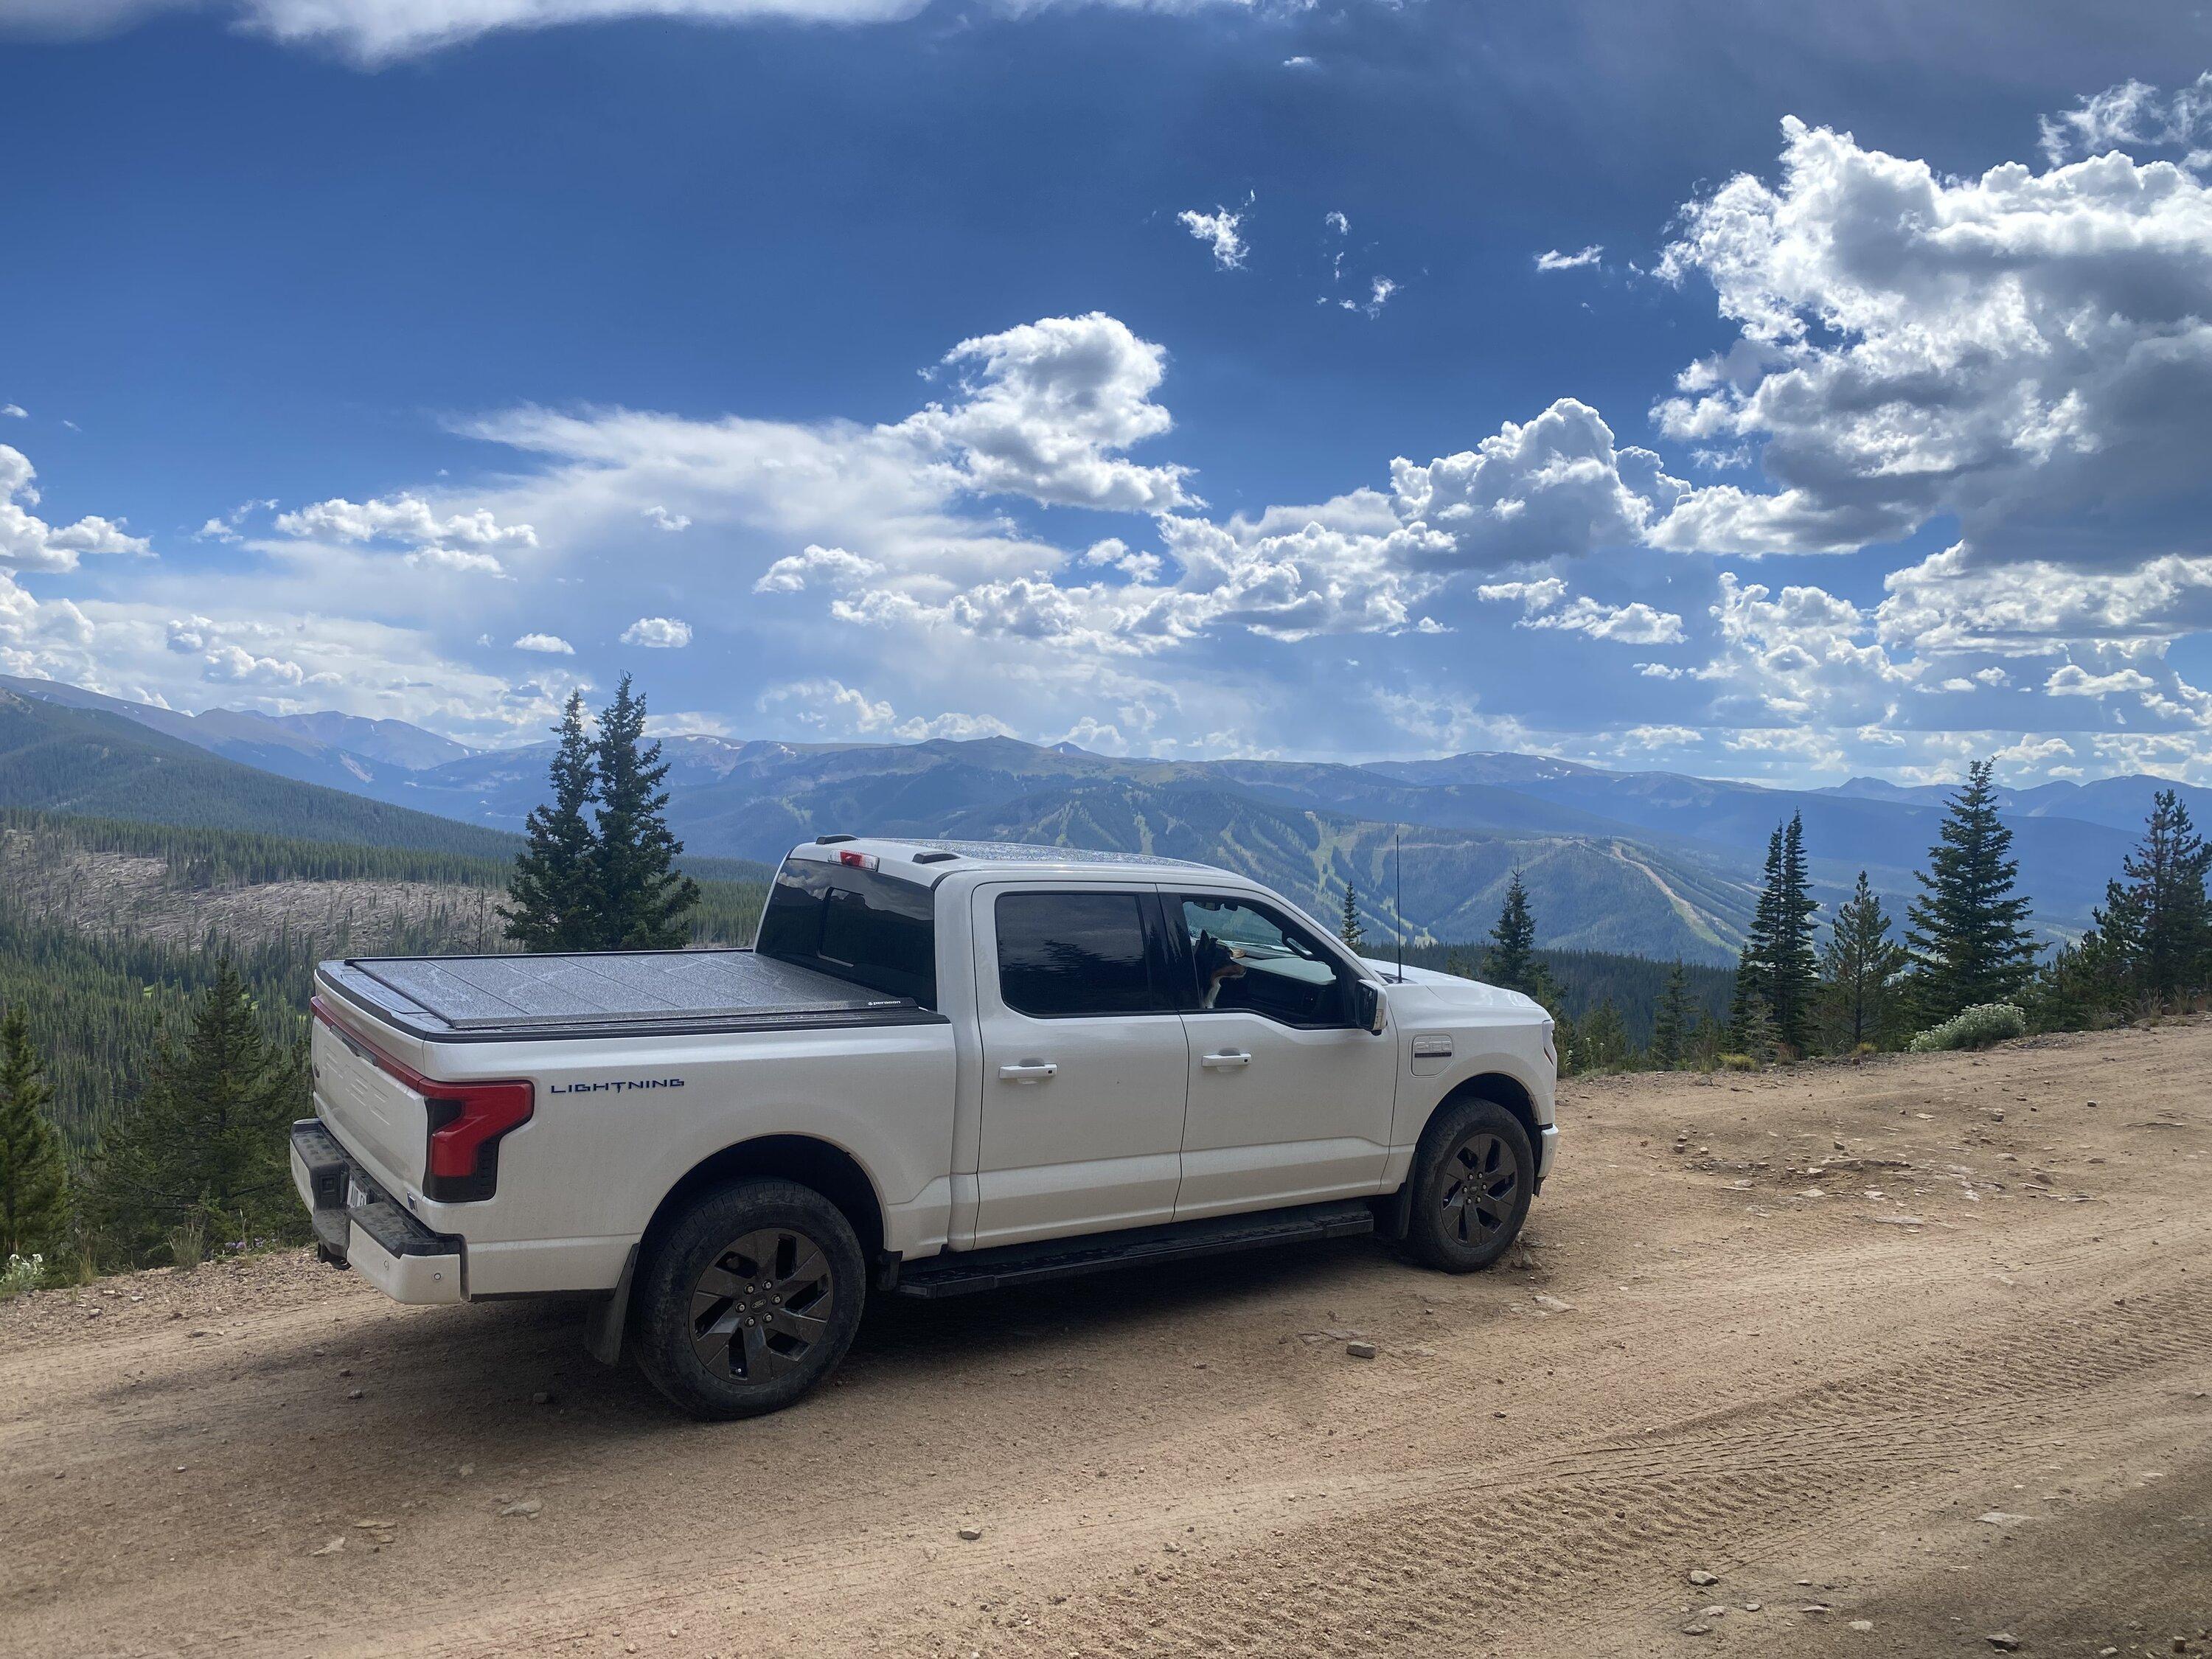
1085 1064
1290 1099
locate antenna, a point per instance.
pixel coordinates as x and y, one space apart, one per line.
1398 868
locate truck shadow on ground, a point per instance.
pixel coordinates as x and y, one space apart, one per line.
401 1373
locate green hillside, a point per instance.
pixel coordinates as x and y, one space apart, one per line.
92 946
1593 893
1631 984
96 764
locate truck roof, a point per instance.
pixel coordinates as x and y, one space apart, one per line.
925 861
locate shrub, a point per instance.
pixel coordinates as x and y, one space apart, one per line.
188 1242
22 1273
1976 1028
1738 1063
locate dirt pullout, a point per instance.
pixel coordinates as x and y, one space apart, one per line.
1900 1357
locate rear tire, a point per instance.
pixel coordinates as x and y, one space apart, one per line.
750 1299
1471 1180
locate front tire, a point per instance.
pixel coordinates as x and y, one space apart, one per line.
1472 1181
750 1299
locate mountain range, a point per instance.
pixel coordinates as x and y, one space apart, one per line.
1652 863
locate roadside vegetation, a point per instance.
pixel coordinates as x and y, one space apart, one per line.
1965 971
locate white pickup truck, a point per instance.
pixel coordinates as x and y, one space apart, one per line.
944 1068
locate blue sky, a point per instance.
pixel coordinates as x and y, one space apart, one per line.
1187 379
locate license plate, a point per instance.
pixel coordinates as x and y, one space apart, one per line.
356 1194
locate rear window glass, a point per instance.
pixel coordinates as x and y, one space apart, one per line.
857 924
1064 954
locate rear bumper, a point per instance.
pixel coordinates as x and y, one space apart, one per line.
357 1226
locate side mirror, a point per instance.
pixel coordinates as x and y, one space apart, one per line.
1367 1005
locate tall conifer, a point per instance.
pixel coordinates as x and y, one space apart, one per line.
1511 961
1670 1023
34 1197
1858 996
1969 940
1754 968
1794 971
2165 893
1350 931
208 1135
553 896
642 896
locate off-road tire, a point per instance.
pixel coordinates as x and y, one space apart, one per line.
1472 1179
762 1277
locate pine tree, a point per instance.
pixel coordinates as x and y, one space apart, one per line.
554 893
1754 968
2166 897
1353 935
1511 961
1702 1047
1794 972
2088 981
642 896
1602 1040
1968 938
34 1197
1670 1031
1754 1034
209 1136
1858 997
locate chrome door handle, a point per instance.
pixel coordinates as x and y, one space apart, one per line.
1034 1071
1225 1062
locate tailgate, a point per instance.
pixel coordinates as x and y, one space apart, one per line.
381 1121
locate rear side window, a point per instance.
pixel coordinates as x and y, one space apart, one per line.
857 924
1067 954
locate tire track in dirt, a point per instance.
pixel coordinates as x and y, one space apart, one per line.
1595 1514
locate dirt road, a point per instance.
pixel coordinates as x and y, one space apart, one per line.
1900 1373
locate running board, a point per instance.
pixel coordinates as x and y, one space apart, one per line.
965 1272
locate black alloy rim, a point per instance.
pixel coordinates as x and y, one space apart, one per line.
1481 1178
761 1305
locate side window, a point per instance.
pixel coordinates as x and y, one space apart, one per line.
1254 959
1067 954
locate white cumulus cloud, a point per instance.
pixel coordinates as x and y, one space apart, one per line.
30 543
658 633
1046 408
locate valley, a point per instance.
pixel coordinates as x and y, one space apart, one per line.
1650 864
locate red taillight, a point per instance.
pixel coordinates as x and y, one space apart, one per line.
466 1120
853 860
474 1116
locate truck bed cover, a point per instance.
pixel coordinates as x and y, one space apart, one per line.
481 999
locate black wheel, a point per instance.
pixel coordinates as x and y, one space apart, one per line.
1473 1179
749 1298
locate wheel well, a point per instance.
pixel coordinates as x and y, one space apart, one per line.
829 1170
1500 1090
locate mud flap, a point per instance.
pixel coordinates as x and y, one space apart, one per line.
603 1325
